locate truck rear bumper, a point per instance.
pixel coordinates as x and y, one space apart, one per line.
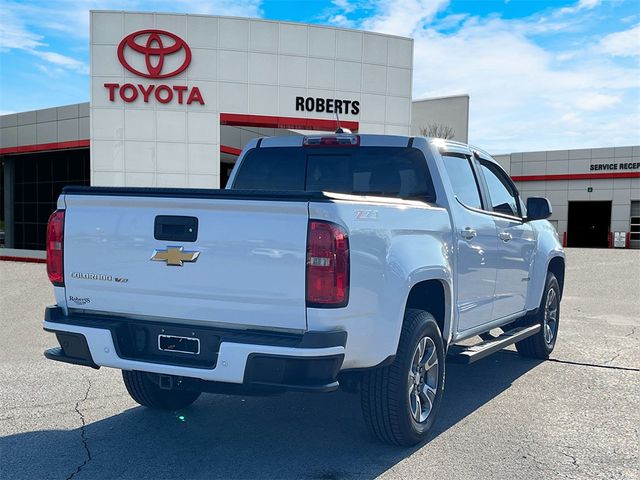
309 361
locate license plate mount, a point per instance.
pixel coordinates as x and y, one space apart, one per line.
178 344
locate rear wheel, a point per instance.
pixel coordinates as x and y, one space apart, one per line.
542 343
148 394
400 401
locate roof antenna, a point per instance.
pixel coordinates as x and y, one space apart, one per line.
340 129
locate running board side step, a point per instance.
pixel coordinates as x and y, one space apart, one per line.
473 353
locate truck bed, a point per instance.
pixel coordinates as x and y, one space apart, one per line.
248 265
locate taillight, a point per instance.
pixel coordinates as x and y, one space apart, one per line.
55 243
327 265
341 140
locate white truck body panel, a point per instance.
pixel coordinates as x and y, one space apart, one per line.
250 271
393 247
513 276
230 367
548 248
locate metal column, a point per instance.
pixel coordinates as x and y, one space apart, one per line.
8 191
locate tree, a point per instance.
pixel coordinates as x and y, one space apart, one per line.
437 130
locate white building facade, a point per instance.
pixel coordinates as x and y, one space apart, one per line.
163 85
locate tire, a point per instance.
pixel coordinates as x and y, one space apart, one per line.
542 343
388 394
148 394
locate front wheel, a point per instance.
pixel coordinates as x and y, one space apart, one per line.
400 401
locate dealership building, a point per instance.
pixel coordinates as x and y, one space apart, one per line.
595 193
174 98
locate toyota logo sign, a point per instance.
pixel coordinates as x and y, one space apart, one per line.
154 51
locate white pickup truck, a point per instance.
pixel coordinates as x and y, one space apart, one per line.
353 261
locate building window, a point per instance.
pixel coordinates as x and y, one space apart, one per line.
39 180
635 224
1 203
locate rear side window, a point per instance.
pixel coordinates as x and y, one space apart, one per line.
385 171
463 180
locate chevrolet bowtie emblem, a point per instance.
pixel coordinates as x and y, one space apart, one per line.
175 256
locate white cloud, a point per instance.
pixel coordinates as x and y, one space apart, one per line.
523 96
238 8
341 20
27 26
519 94
452 21
622 44
588 4
16 35
13 33
402 17
71 17
597 101
62 61
581 5
51 71
344 5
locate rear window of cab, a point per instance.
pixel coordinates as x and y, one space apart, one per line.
384 171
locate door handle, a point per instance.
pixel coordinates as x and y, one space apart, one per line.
505 236
468 233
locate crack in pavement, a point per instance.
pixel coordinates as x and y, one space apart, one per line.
526 453
574 460
595 365
83 434
580 364
616 355
19 408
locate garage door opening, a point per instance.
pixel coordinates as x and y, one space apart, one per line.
589 224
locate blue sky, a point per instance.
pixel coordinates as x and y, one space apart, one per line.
541 74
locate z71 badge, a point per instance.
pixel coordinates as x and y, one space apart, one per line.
366 214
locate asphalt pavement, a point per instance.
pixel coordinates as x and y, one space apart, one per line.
504 417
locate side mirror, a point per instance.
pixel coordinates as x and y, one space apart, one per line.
538 208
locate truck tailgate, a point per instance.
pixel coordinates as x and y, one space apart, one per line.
250 270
